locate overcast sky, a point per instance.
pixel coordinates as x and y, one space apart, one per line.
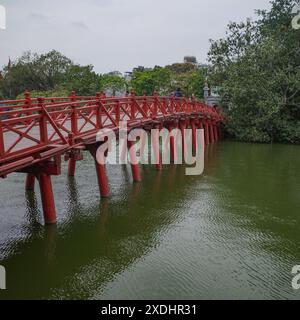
119 34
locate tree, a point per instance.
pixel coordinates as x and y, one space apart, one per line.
113 83
34 72
82 79
179 68
258 67
51 73
150 80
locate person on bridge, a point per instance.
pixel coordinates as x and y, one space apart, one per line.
178 93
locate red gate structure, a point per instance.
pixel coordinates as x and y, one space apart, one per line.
36 132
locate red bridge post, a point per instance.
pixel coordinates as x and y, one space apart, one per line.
207 140
43 122
194 136
2 146
173 141
133 161
102 179
183 126
72 160
74 129
30 182
71 167
47 198
101 172
156 147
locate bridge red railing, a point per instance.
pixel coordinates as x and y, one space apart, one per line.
32 129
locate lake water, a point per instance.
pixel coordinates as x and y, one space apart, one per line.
232 233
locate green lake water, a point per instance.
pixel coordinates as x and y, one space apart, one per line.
232 233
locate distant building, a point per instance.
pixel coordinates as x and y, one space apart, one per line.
190 59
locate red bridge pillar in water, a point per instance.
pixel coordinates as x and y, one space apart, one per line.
201 127
182 127
71 167
206 132
30 182
156 146
194 136
216 132
101 172
72 160
173 141
47 198
102 179
133 161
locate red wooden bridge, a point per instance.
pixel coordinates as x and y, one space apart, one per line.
36 132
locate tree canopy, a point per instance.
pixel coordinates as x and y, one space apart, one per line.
258 68
54 74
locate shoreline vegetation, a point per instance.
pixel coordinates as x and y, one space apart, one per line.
256 69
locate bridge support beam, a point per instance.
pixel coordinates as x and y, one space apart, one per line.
207 140
156 147
194 136
101 172
71 167
173 154
102 179
216 132
30 182
182 127
47 198
201 127
133 162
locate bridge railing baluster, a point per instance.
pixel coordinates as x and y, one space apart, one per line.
74 116
2 147
43 121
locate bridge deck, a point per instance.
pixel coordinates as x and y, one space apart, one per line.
30 127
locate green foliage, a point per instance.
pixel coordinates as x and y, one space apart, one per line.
46 94
112 83
34 72
82 79
258 68
53 74
179 68
166 80
150 80
191 83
